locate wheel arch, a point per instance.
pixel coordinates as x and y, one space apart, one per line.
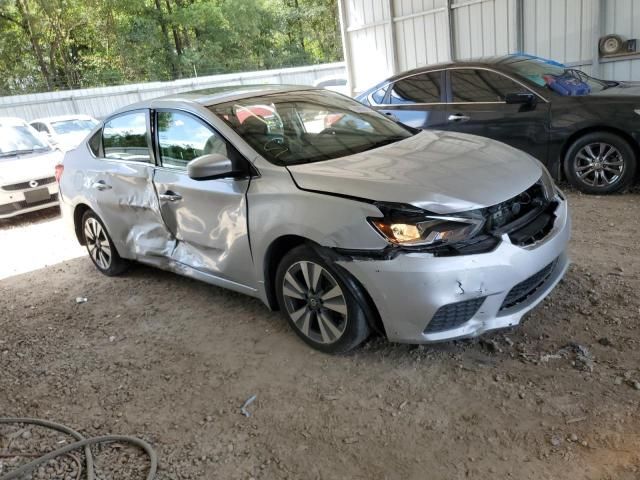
593 129
78 213
282 245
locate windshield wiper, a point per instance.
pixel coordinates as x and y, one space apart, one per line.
16 153
386 141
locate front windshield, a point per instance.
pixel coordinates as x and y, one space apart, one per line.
308 126
66 127
16 139
556 77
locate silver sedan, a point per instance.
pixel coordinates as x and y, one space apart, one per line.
344 220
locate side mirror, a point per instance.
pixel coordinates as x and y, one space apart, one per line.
210 167
520 98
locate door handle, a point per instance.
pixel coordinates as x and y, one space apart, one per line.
458 118
170 196
100 186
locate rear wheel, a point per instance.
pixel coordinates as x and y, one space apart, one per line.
101 250
323 304
600 163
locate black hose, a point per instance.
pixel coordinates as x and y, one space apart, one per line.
81 442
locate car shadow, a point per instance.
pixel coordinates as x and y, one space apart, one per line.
30 218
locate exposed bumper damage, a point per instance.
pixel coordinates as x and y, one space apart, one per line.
424 298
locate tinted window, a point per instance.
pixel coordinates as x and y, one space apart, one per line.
482 86
182 138
423 88
125 137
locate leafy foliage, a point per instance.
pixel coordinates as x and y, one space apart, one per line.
63 44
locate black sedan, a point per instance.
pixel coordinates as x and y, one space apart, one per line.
583 129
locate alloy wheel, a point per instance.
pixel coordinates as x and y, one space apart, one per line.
599 164
315 302
97 243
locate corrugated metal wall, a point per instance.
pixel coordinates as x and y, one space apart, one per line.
382 37
484 28
100 102
623 18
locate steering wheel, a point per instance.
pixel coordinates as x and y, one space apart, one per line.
279 141
328 131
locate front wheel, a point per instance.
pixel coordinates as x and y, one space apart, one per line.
323 305
101 250
600 163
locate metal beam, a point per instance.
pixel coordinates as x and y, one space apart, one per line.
394 41
598 31
346 45
451 27
519 25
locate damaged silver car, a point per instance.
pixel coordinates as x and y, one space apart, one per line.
334 214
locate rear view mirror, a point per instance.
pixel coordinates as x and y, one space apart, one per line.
520 98
210 167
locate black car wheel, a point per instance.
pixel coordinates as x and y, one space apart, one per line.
321 302
101 250
600 163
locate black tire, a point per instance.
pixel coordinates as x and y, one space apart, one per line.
105 258
353 326
591 163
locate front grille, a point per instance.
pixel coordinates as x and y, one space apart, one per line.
25 185
527 218
12 207
528 287
453 315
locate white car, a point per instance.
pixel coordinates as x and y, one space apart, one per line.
27 169
65 132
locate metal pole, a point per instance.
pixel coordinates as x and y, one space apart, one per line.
394 41
520 26
451 27
598 25
346 45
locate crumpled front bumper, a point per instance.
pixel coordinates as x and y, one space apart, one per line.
409 289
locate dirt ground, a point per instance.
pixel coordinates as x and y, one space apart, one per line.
172 360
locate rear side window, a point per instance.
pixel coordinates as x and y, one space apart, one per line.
378 95
94 143
125 137
422 88
469 85
182 137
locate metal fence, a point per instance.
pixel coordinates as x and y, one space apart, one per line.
100 102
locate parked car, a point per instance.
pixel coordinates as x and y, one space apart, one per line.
583 129
65 131
423 236
335 83
27 169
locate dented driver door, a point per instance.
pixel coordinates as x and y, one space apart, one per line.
207 217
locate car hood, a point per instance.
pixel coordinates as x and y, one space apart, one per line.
443 172
624 88
27 167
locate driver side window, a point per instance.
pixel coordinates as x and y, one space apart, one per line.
182 137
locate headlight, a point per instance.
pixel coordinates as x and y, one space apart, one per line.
420 228
547 183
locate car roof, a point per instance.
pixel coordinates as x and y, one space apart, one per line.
496 62
11 121
62 118
214 96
